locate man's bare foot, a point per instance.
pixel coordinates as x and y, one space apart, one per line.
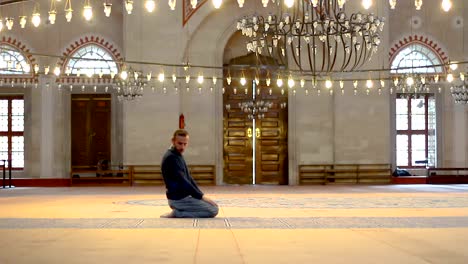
168 215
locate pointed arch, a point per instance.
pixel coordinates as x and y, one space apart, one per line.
90 54
15 58
414 51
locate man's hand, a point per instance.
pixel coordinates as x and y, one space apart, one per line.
208 200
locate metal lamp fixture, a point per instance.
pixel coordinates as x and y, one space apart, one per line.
130 85
460 93
318 34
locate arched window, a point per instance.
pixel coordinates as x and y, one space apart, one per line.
416 55
416 112
92 59
12 61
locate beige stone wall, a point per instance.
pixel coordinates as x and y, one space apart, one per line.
322 129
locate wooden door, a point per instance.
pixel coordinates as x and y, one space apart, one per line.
271 139
238 151
91 129
269 134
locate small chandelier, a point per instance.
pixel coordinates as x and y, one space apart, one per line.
253 109
130 86
460 93
411 84
318 34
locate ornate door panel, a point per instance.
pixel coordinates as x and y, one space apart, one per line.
237 143
271 139
91 129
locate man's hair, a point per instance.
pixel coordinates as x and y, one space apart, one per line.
180 132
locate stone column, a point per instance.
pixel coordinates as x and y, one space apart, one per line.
51 136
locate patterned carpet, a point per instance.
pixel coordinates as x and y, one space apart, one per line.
237 223
329 202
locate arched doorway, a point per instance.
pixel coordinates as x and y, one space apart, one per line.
255 146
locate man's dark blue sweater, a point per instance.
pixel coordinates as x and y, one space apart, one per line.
179 182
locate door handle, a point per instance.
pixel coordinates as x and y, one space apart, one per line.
249 132
257 132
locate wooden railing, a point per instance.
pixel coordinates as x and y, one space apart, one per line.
115 175
447 175
136 175
344 173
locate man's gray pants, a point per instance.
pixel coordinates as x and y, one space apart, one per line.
190 207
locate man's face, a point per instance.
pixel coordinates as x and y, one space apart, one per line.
180 143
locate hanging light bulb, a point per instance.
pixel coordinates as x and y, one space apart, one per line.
161 77
26 68
174 78
302 83
88 11
418 4
150 5
328 84
382 83
148 76
36 68
200 79
193 3
355 84
129 6
9 23
22 21
289 3
462 76
52 17
107 9
243 81
446 5
449 77
113 73
341 3
265 3
409 81
46 70
290 82
1 25
366 4
124 75
68 11
392 3
187 78
453 66
57 71
217 3
369 84
214 80
36 19
172 4
52 12
279 82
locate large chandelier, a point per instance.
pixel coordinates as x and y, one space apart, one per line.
130 85
318 34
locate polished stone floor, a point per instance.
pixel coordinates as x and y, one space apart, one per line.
256 224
